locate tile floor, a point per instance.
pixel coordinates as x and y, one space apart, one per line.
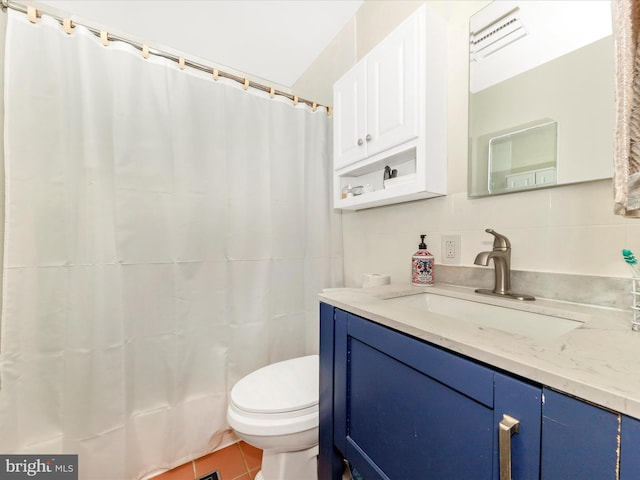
239 461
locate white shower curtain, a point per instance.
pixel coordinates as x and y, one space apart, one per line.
165 234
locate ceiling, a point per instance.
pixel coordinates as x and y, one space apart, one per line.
274 40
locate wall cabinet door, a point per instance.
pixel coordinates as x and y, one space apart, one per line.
579 440
349 118
393 97
406 409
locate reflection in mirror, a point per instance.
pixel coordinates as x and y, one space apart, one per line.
523 158
541 102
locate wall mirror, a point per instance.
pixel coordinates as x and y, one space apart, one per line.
541 99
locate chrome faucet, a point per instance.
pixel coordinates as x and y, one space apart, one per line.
501 255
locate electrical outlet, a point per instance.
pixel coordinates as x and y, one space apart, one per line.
450 252
450 249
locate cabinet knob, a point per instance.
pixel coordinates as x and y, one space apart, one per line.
360 142
368 137
508 426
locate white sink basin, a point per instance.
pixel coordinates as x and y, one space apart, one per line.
529 324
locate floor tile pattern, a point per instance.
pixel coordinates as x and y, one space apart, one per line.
239 461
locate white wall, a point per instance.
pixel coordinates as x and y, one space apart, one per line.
568 229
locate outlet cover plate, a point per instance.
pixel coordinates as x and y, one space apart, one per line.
450 250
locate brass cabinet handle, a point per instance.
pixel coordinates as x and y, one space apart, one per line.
508 426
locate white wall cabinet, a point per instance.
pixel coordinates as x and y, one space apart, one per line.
376 102
390 109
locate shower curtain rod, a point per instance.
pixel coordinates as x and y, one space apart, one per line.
146 50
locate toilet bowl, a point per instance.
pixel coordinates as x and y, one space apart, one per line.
275 409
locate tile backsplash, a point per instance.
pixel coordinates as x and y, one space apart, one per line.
555 234
590 289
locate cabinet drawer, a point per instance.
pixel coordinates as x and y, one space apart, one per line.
457 373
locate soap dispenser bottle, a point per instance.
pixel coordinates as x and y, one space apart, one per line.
422 266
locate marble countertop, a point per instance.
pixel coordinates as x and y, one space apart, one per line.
599 361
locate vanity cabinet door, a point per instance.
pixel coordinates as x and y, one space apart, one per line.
523 402
579 440
404 409
629 448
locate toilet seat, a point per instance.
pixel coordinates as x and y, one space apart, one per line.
278 399
279 388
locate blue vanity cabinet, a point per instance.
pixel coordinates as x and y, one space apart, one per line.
405 409
579 440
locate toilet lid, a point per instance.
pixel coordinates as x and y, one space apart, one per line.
279 387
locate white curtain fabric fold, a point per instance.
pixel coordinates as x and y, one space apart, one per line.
165 235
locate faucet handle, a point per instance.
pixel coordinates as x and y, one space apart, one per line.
500 242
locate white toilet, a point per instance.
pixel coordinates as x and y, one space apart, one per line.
275 409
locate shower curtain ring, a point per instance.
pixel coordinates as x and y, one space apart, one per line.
33 14
104 38
67 26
